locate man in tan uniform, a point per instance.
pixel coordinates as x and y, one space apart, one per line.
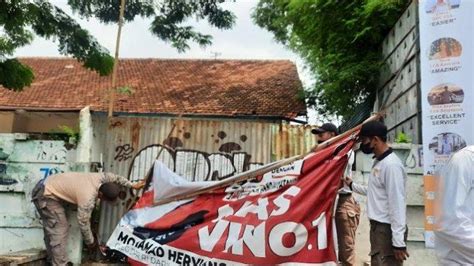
347 209
80 189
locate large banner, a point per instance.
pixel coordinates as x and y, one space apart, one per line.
446 57
282 217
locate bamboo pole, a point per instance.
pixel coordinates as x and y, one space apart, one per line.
383 106
231 180
116 60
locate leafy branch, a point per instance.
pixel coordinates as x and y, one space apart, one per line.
340 42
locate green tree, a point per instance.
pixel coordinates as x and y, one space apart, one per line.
21 20
340 41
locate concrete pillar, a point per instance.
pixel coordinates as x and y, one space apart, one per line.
84 147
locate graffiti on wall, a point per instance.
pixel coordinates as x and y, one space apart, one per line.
26 162
4 180
123 152
195 165
23 162
51 151
47 171
415 158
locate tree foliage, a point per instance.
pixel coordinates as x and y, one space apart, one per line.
340 40
21 20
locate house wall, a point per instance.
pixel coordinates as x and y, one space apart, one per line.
36 122
6 122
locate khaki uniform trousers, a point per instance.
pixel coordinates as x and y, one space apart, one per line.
347 220
55 225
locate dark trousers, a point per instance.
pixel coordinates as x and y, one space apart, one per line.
381 250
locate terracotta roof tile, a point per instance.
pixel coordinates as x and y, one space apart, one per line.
206 87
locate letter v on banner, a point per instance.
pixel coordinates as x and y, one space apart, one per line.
280 217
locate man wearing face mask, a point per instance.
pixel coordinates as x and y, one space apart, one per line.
386 197
347 209
51 195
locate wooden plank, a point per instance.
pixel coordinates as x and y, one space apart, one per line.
398 33
404 108
402 93
397 59
407 79
23 257
409 127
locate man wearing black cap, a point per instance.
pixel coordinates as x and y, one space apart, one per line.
347 210
386 197
325 132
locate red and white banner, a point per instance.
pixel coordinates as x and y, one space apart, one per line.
282 217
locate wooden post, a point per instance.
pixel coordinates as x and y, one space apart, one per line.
116 60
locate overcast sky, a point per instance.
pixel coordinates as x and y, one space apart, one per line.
244 41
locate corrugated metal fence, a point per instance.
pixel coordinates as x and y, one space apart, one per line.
196 149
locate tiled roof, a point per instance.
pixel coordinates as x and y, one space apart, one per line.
167 86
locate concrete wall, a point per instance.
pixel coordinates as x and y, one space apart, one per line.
23 162
22 121
411 155
403 104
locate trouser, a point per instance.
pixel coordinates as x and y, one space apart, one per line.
347 220
381 250
55 225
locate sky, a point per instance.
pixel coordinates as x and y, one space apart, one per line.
244 41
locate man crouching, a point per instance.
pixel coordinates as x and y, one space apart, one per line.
81 189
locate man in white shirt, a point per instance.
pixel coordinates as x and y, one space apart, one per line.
347 210
454 237
386 197
446 145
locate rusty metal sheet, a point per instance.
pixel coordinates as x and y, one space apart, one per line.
197 149
290 140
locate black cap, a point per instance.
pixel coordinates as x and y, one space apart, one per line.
327 127
373 129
